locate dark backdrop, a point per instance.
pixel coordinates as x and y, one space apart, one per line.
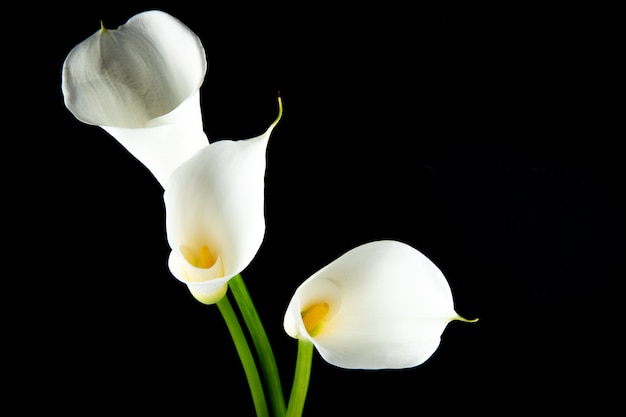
479 135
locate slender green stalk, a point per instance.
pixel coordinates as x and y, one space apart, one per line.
247 360
261 344
301 379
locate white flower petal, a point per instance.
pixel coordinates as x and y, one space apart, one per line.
161 149
136 82
394 304
216 201
130 76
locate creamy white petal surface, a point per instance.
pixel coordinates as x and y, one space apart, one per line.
215 214
386 306
145 74
161 149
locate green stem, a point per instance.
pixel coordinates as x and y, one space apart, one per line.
261 344
245 355
301 379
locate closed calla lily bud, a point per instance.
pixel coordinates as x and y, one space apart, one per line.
215 213
381 305
140 83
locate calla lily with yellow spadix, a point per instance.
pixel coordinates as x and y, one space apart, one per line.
381 305
140 83
215 213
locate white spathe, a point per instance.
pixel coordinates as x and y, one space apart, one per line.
215 213
388 305
140 83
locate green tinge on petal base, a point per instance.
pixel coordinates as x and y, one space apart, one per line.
211 298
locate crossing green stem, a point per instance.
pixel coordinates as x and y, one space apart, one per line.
247 360
261 344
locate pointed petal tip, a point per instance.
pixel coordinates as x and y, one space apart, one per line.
463 319
271 127
280 112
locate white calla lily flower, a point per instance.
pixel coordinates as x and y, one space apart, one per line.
140 83
381 305
215 213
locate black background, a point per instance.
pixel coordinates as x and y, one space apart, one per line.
479 135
